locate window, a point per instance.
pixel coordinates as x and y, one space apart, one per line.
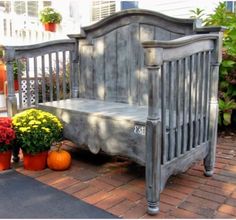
32 8
128 4
26 7
101 9
231 6
6 6
46 3
19 7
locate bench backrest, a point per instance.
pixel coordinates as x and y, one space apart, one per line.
112 58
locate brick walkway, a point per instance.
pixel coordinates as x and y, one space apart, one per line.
118 186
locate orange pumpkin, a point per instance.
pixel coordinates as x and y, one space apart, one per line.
59 159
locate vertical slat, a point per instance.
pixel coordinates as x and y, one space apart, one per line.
99 72
202 98
64 74
43 79
36 82
207 95
57 77
178 112
134 69
19 77
172 73
110 67
71 72
191 101
28 83
163 113
197 96
185 102
50 77
88 71
147 32
122 65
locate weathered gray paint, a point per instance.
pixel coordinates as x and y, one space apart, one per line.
152 105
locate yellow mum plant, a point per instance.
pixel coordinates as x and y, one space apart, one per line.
36 130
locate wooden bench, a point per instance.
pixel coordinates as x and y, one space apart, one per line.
144 87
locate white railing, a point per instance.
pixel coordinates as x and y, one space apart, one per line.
20 29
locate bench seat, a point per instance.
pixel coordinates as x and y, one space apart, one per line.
115 128
103 125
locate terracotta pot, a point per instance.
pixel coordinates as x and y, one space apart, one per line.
16 85
5 160
50 27
35 162
3 76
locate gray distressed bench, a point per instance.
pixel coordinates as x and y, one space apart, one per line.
144 86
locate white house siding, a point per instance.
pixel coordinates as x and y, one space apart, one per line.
179 8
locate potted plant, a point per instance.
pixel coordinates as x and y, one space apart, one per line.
7 136
36 130
49 17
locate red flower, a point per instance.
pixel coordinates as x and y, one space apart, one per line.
6 122
7 134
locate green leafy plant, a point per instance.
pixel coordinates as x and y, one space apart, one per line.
18 68
49 15
36 130
225 111
197 13
227 74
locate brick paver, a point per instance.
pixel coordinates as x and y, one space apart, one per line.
118 185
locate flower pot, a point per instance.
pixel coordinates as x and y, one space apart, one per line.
5 160
50 27
3 76
35 162
16 85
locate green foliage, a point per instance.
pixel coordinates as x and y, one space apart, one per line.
197 13
36 130
49 15
225 111
18 66
53 81
227 75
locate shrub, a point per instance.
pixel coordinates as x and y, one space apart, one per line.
227 75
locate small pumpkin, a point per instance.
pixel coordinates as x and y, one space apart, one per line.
59 159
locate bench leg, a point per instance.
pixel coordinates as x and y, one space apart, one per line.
153 165
209 160
15 152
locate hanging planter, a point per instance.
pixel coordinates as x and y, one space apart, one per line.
49 17
50 27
